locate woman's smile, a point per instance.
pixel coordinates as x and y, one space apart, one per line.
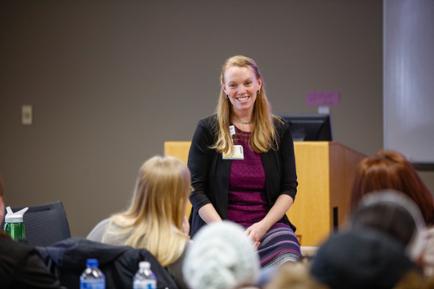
241 99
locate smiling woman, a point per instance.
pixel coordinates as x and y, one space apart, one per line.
241 87
243 167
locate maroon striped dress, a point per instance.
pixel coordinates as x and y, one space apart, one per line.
247 204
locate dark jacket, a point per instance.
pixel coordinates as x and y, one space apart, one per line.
67 260
22 268
210 173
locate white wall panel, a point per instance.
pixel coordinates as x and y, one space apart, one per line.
409 78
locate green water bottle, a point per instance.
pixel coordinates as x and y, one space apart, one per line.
14 225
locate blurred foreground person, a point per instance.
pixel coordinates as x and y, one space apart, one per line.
156 218
379 250
221 257
391 170
294 276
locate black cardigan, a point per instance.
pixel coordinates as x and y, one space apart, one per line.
210 173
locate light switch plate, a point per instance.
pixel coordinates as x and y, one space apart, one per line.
26 115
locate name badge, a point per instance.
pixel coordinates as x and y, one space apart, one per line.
232 130
238 154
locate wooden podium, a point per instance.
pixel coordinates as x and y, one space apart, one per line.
325 172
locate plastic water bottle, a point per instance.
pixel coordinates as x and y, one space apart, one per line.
92 277
144 278
14 225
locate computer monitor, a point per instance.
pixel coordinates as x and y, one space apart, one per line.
309 127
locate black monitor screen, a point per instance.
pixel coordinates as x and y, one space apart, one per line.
309 127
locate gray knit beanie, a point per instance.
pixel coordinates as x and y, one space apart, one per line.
221 257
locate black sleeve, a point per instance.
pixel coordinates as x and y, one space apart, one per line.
32 273
198 164
289 182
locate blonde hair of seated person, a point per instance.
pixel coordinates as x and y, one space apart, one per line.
155 217
414 280
292 275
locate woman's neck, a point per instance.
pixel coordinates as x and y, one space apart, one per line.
245 126
243 120
243 116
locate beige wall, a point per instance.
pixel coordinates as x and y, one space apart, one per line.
428 178
110 81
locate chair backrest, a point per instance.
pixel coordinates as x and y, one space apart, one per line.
45 224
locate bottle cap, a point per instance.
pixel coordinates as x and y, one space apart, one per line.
144 265
91 263
16 217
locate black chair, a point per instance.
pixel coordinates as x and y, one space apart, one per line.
45 224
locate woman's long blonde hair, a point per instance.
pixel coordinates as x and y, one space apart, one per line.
157 210
263 135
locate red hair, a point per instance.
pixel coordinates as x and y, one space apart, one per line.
390 170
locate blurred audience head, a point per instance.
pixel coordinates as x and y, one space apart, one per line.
386 235
155 217
162 191
293 275
395 214
360 259
221 257
390 170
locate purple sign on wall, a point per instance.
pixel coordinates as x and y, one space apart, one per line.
322 98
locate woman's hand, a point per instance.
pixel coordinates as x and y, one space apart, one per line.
256 232
185 226
259 229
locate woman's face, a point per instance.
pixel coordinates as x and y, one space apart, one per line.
242 86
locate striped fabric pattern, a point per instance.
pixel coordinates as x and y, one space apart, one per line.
279 245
